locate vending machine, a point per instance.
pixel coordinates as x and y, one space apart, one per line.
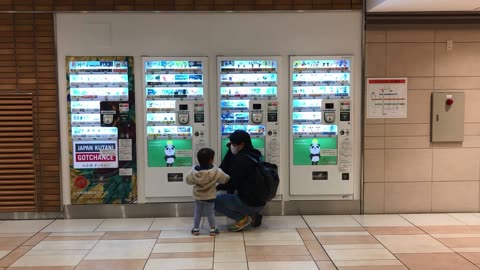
176 122
321 147
102 140
248 88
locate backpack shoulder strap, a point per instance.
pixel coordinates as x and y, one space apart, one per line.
251 158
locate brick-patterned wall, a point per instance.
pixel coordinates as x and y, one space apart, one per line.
149 5
28 65
28 61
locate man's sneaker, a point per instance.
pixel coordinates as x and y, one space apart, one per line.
195 231
256 220
241 224
213 231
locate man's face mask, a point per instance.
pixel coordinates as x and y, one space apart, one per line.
235 149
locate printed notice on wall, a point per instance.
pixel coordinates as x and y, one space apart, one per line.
95 154
386 97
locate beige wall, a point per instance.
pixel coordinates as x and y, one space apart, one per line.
404 171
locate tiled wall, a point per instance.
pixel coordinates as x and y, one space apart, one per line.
404 171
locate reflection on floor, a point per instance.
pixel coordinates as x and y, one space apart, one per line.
380 242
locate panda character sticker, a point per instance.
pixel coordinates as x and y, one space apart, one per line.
315 152
169 153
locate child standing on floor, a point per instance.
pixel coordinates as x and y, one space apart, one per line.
205 177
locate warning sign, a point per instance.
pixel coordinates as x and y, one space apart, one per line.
92 155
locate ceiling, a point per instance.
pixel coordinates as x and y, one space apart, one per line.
423 5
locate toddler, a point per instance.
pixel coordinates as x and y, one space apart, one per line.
204 178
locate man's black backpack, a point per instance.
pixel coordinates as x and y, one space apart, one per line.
267 180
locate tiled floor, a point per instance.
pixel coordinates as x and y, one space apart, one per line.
369 242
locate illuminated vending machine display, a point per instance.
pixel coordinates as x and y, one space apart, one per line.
101 130
321 128
248 101
176 121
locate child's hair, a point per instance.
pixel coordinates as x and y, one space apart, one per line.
204 156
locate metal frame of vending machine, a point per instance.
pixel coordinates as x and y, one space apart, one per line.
321 133
248 100
176 122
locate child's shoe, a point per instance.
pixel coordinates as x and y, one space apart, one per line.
195 231
213 231
241 224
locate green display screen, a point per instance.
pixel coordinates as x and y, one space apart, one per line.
258 143
169 153
315 151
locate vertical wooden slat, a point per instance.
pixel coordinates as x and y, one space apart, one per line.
17 167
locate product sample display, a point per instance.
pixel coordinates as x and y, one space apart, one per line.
175 115
101 104
248 91
321 129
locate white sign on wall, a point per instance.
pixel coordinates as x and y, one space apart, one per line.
387 97
95 154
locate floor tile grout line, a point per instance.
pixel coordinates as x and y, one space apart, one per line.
393 254
98 226
318 241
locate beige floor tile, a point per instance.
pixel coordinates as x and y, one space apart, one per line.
121 249
274 243
318 234
394 230
354 246
467 218
227 256
183 247
277 250
176 263
23 226
58 252
456 235
52 260
230 246
111 265
283 222
338 229
71 238
347 239
382 221
471 242
432 219
325 265
268 234
435 262
64 234
130 224
412 244
73 225
178 223
181 255
230 266
331 221
180 234
458 229
186 240
279 258
14 256
359 254
394 262
62 245
304 265
228 236
131 235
